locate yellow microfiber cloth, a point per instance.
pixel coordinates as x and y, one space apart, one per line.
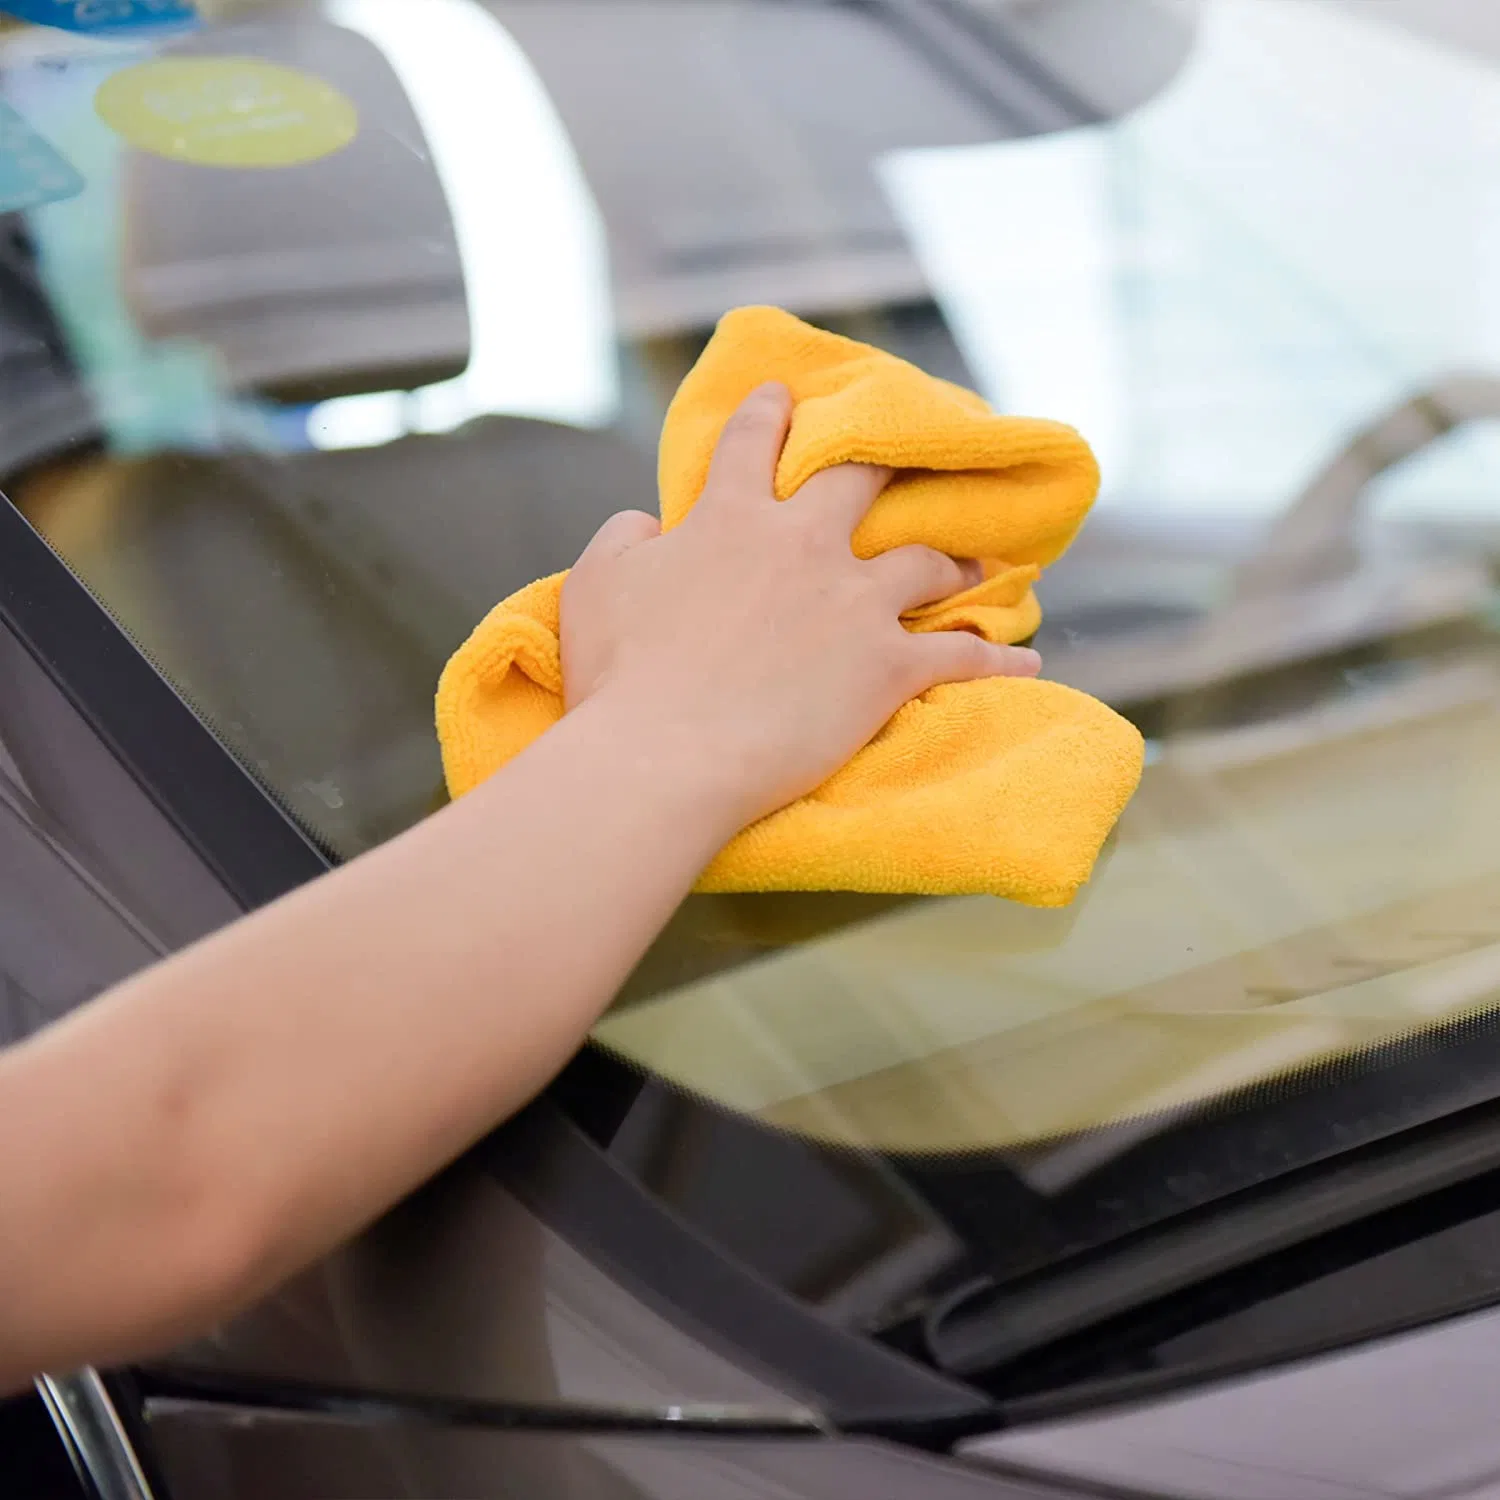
1006 787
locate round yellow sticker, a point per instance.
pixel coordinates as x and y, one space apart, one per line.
227 111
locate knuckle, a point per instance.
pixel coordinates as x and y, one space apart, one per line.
807 530
900 666
746 417
926 563
933 581
741 425
772 394
761 408
945 573
971 651
958 655
893 673
979 655
846 599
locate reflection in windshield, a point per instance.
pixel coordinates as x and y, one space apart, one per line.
534 259
300 428
1154 282
1218 288
1253 917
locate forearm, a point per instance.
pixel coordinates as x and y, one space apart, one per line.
225 1134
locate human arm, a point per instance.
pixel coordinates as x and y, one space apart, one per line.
207 1128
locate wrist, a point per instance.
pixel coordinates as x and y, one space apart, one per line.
660 754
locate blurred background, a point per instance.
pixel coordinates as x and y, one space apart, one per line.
299 427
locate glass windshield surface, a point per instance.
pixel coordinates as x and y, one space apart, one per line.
314 351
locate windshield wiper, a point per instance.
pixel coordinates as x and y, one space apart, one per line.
986 1326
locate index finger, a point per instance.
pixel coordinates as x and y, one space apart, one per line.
749 448
845 493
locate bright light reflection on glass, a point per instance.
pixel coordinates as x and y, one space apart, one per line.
530 236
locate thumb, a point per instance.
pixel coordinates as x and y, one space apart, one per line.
624 530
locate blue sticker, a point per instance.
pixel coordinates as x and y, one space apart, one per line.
104 17
31 171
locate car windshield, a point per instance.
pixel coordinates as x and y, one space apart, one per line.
325 326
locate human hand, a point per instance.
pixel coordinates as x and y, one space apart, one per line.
750 639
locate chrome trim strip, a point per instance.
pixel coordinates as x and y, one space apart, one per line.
91 1429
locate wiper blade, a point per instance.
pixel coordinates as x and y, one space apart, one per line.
989 1326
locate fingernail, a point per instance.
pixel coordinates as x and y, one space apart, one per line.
1026 660
773 390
